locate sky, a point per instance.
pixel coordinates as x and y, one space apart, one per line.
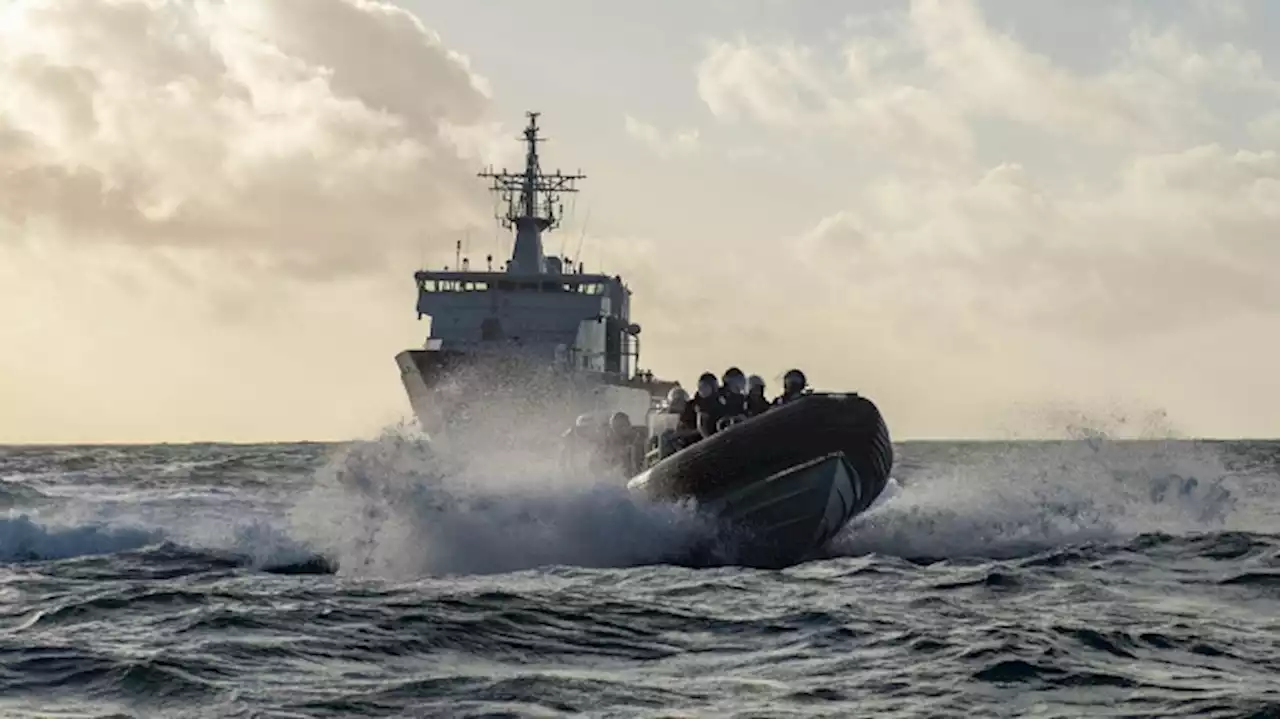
996 219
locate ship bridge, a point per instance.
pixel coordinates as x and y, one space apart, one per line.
580 320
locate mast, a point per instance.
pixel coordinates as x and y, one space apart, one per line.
533 202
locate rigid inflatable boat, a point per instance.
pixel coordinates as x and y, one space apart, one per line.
784 482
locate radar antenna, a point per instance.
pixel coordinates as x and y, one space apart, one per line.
533 201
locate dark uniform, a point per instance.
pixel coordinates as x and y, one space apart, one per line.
703 413
794 386
735 404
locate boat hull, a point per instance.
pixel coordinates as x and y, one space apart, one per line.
784 518
784 483
510 394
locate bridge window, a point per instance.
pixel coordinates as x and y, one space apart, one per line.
437 286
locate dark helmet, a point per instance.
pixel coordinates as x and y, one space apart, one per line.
794 381
734 380
707 384
620 421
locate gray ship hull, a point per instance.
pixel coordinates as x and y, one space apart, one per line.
509 395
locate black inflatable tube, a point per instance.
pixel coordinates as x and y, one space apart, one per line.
799 431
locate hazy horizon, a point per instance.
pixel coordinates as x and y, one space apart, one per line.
996 219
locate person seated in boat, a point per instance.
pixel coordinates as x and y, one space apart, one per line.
620 445
685 429
705 408
677 400
579 442
733 391
794 386
757 403
733 385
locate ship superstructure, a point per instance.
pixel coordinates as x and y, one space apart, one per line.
539 333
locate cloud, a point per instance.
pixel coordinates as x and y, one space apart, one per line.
1173 229
786 87
679 142
1182 238
210 210
935 212
316 137
1013 227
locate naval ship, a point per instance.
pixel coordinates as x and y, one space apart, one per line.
536 343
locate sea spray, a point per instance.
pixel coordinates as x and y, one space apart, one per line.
400 506
1012 499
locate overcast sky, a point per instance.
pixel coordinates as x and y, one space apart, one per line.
994 218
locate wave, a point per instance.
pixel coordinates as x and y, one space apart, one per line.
1019 499
25 539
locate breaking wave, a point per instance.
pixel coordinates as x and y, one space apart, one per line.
23 538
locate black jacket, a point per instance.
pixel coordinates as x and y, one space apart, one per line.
704 412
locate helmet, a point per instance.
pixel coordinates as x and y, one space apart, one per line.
755 381
794 380
620 420
734 380
707 384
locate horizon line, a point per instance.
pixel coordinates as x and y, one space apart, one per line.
907 440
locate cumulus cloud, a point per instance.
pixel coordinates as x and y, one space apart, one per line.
210 210
1172 228
317 137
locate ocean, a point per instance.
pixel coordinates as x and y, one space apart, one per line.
1089 578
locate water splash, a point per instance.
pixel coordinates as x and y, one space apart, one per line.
399 507
1003 500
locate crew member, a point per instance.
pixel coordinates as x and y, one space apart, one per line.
706 408
677 400
733 390
794 386
619 445
757 403
579 442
